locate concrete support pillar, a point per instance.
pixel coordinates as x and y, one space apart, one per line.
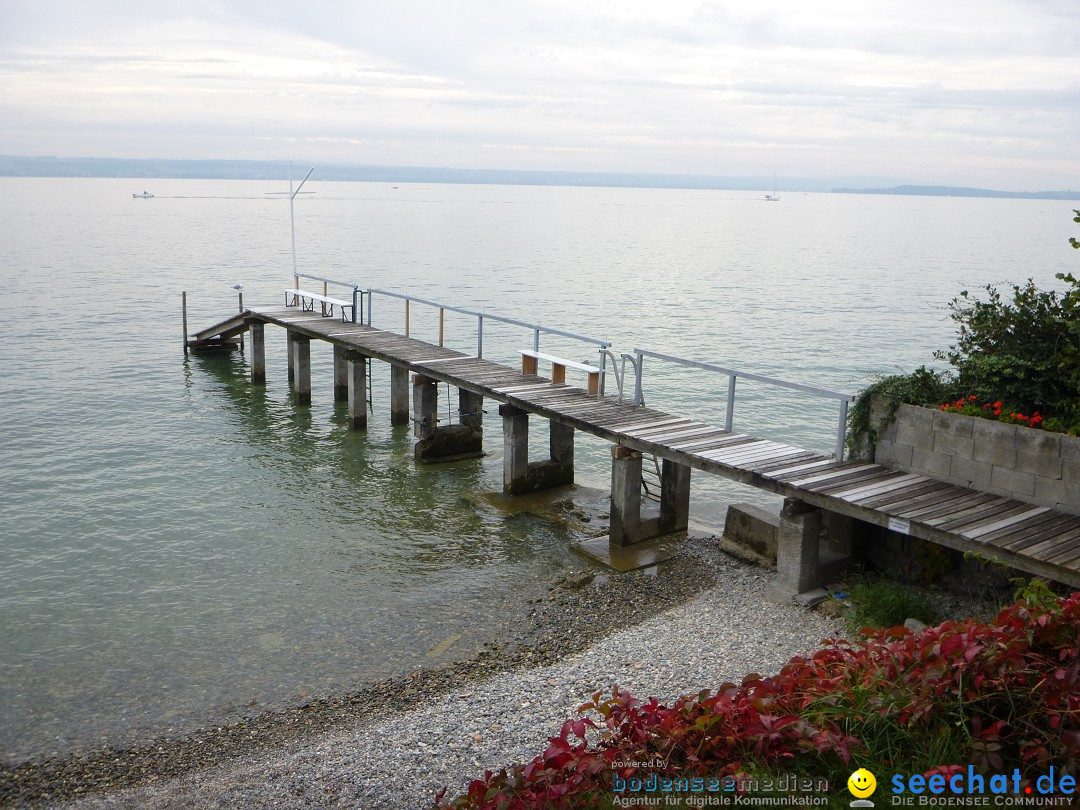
561 445
425 407
515 449
258 352
356 389
519 474
445 443
625 520
399 395
301 354
797 547
289 353
341 374
470 409
627 525
674 497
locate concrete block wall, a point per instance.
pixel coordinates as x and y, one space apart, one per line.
1030 465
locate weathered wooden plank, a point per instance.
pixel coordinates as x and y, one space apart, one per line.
723 439
943 493
735 450
666 420
1004 522
802 468
551 402
934 506
841 470
751 458
912 490
976 515
668 436
653 433
744 459
852 480
1031 535
880 487
516 389
767 460
784 459
1064 548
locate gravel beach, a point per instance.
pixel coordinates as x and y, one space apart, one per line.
691 624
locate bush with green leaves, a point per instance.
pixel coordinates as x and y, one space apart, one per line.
1024 351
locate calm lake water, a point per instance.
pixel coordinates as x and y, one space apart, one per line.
179 547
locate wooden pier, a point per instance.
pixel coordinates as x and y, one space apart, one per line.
1031 538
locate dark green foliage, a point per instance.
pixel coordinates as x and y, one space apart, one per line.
1024 351
923 386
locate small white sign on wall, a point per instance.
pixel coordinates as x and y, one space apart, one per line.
900 525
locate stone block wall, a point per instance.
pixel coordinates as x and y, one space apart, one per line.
1018 462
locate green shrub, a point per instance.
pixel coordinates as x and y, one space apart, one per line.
887 604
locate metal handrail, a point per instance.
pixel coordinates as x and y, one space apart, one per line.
733 375
537 329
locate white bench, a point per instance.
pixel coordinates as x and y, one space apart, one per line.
529 360
306 301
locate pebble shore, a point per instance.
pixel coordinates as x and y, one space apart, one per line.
693 624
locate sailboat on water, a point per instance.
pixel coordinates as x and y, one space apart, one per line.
775 196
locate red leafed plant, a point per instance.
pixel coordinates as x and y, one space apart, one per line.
996 695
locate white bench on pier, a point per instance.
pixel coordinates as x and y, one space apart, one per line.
306 301
530 358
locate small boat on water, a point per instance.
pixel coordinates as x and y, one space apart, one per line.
146 195
775 196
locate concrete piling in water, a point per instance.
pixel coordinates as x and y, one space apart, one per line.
399 395
341 374
521 475
425 407
627 526
301 354
470 408
289 354
258 352
356 389
447 442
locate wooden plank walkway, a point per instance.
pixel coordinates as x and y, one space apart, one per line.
1028 537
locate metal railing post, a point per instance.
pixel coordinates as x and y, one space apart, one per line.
730 419
354 307
639 396
369 307
479 337
841 430
536 339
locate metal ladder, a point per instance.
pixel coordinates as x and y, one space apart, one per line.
650 464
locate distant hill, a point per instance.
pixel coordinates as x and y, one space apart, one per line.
14 166
21 166
956 191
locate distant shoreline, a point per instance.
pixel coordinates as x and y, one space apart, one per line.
961 191
146 169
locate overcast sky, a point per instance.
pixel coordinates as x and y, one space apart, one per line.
959 92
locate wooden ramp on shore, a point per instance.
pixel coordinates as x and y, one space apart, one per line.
1032 538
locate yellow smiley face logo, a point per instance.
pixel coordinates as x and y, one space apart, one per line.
861 783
